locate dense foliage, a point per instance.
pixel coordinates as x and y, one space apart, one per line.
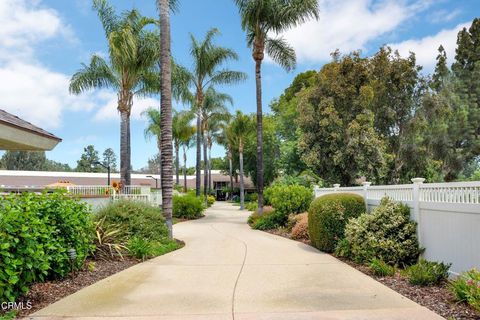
387 233
36 232
426 273
380 268
328 215
289 199
134 219
187 207
466 288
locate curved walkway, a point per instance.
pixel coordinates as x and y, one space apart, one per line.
228 271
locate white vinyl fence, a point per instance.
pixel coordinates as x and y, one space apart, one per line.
448 216
136 193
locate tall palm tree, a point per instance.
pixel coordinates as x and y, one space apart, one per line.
208 70
214 111
261 18
187 141
225 137
153 128
130 69
166 113
239 130
181 130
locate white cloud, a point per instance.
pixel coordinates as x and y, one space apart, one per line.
442 16
109 110
426 48
349 25
28 88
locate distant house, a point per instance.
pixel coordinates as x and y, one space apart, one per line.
18 134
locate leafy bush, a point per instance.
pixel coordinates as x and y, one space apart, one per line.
425 273
134 219
300 228
210 200
269 220
381 269
343 249
251 197
36 232
387 234
291 199
144 249
466 288
107 242
328 215
251 206
187 207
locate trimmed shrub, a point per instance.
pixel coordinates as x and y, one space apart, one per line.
291 199
426 273
36 232
380 268
210 200
187 207
328 215
134 219
343 249
300 228
387 234
267 221
251 206
466 288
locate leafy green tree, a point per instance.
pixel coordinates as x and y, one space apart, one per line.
260 19
24 160
110 159
181 131
207 71
187 141
130 68
88 159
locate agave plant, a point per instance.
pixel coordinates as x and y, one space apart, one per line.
107 241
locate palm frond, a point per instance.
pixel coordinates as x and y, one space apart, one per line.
107 16
97 75
281 52
226 77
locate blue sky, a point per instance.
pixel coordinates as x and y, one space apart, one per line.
43 42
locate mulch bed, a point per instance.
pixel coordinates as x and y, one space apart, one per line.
44 294
439 299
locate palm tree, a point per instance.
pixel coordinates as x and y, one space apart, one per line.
261 18
130 69
238 131
187 141
207 71
225 137
181 130
214 111
153 127
166 113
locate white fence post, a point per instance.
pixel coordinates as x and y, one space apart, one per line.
336 186
416 206
366 184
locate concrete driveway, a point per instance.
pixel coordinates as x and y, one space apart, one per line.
228 271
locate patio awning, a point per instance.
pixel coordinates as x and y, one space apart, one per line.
18 134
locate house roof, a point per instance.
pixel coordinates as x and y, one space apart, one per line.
18 134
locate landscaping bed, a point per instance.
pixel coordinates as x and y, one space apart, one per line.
46 293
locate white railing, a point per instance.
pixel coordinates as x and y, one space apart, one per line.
91 191
397 193
455 192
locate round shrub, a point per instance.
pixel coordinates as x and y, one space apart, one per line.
134 219
290 199
328 215
187 207
387 234
210 200
300 228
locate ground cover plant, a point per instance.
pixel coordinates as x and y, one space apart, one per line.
426 273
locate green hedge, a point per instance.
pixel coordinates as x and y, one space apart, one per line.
387 233
36 232
328 215
134 219
188 207
288 199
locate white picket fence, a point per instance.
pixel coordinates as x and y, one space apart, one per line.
136 193
447 214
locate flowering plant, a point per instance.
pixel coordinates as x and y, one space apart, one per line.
466 288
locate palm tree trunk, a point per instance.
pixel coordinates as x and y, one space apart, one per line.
159 144
205 167
124 148
199 151
210 168
177 163
184 170
258 79
231 172
242 195
166 113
